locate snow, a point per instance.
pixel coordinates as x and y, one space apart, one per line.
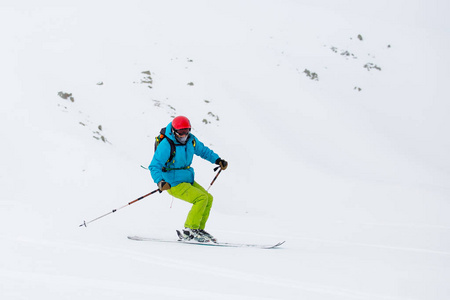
356 182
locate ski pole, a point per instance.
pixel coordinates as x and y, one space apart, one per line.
114 210
215 169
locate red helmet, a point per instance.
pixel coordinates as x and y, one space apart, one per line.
181 122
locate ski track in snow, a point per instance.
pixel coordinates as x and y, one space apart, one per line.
181 264
75 283
118 286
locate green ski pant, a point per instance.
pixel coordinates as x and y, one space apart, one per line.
201 203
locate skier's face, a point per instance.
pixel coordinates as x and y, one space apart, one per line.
182 135
182 132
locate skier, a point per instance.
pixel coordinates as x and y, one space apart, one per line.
174 174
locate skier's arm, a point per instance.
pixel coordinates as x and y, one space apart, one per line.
204 152
159 160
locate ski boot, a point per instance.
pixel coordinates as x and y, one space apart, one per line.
207 235
188 234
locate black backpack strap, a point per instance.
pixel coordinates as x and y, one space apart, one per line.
172 149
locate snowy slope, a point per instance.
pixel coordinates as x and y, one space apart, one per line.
351 169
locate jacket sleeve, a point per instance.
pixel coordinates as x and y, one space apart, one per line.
204 152
159 160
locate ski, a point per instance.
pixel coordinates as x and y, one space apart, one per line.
234 245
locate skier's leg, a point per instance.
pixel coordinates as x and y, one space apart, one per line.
198 198
208 205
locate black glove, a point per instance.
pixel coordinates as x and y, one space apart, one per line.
222 163
162 185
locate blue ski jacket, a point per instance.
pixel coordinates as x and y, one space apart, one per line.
179 169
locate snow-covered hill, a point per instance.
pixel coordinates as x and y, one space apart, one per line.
332 115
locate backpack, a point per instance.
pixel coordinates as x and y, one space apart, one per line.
162 135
